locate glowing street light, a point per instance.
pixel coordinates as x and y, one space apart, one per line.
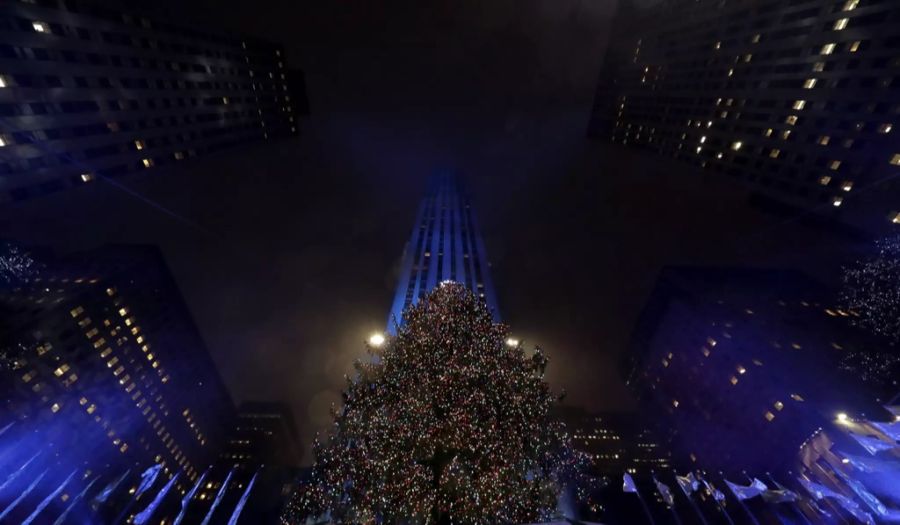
376 339
842 418
512 341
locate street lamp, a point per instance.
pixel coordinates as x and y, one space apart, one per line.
376 339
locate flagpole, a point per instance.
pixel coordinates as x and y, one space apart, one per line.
694 503
672 508
740 501
794 505
772 506
628 485
719 503
645 507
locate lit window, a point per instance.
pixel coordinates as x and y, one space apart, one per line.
779 405
809 83
675 403
702 139
730 72
4 141
148 163
885 128
824 139
774 153
785 134
834 165
734 380
705 351
797 397
718 45
850 5
799 104
837 201
768 132
824 180
756 38
770 416
87 177
139 144
854 46
827 49
179 155
791 119
847 186
895 160
736 145
741 369
841 24
54 407
3 82
40 27
748 57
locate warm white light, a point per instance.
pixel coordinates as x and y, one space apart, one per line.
376 339
512 341
842 417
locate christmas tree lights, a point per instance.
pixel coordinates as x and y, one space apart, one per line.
447 423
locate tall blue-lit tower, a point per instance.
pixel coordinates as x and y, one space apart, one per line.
445 245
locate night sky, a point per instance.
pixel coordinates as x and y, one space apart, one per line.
287 252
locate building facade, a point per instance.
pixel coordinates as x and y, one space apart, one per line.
107 376
796 100
445 245
88 92
616 442
743 366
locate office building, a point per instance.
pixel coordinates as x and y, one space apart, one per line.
744 365
89 92
262 447
616 442
108 376
746 371
445 245
796 100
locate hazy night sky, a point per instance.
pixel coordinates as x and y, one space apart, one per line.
293 259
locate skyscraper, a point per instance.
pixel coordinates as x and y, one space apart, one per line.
445 245
616 442
107 374
796 100
743 366
89 92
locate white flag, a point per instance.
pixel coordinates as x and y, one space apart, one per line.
628 484
665 493
892 430
741 492
687 483
872 445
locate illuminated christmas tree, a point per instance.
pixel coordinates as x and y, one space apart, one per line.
871 290
448 422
